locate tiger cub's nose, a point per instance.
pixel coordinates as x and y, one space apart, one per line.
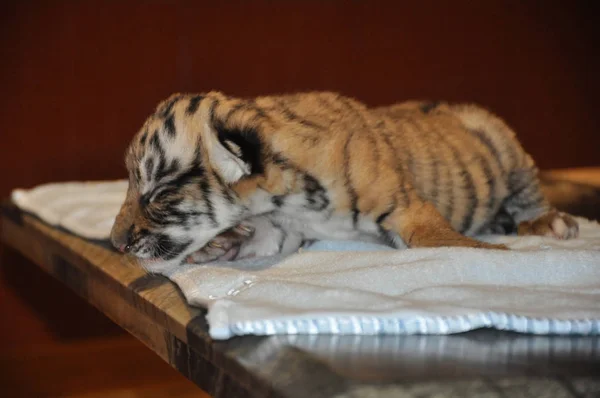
121 240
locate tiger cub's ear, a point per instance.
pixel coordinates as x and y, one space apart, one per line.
225 156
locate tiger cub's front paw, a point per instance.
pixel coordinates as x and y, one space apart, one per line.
223 247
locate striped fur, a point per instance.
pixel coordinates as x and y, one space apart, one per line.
321 166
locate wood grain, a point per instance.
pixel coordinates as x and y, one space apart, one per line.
587 175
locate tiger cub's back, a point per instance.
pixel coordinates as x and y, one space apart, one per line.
460 157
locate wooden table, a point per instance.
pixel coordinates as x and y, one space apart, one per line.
479 363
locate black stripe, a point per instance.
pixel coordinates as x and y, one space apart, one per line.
375 146
169 214
489 144
325 103
143 138
294 117
434 164
156 215
206 195
467 178
168 198
260 112
168 107
224 188
212 111
149 165
472 196
138 176
156 145
187 177
197 159
164 197
491 181
237 107
364 128
450 192
400 174
193 104
169 126
435 168
348 182
512 150
163 171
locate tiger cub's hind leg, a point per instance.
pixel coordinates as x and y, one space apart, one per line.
532 212
422 225
553 223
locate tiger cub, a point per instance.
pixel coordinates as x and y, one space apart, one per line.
257 177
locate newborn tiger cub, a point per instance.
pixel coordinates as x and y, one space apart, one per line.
213 177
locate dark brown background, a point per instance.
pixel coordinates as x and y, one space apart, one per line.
78 79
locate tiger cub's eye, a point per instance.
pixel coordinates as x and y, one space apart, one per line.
159 196
144 200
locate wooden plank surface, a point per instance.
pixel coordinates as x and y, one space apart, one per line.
584 175
153 310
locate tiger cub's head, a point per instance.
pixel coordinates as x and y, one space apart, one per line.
181 166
